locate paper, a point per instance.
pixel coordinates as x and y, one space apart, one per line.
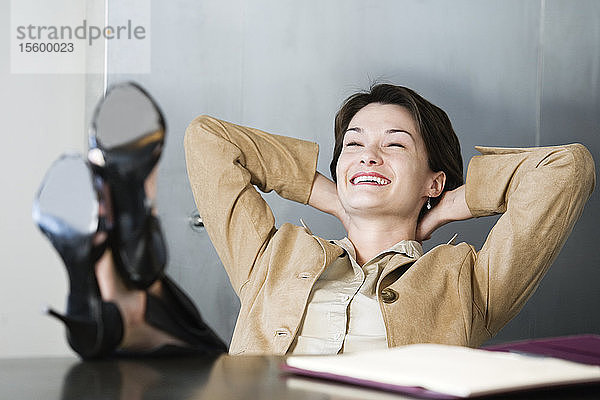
453 370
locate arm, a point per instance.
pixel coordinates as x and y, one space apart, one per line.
224 162
541 193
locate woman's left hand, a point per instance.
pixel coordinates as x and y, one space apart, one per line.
452 207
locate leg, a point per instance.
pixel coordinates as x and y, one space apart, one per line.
137 333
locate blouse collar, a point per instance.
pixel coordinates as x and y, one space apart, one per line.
410 248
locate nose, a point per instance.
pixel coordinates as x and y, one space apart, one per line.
370 156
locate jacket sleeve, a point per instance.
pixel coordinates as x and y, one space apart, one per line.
224 163
541 193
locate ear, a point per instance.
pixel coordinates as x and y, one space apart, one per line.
437 184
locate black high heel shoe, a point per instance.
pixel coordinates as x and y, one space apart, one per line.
66 210
126 141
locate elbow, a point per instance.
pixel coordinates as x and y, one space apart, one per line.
583 171
205 140
568 169
202 146
196 131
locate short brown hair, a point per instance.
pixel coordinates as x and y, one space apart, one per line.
443 147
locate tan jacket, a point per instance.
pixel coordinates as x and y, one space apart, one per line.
451 295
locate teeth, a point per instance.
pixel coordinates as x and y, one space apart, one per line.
368 178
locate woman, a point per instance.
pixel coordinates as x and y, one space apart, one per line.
397 174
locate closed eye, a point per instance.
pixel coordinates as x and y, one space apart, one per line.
395 145
353 144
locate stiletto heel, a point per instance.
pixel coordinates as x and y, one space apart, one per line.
53 313
66 210
92 339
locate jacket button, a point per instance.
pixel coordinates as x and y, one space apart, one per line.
389 295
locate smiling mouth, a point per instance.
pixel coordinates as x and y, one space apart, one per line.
369 180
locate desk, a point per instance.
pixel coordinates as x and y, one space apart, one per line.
224 377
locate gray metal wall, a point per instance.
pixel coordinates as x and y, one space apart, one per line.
509 73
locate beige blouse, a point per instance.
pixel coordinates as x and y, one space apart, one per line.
343 314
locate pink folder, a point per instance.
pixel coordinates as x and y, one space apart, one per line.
581 348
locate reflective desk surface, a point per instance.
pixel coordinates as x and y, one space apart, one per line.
224 377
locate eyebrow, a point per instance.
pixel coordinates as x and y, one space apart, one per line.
359 130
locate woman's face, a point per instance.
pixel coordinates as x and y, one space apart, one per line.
383 168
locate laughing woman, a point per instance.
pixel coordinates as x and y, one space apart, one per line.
397 177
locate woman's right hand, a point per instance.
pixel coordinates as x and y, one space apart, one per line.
324 197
